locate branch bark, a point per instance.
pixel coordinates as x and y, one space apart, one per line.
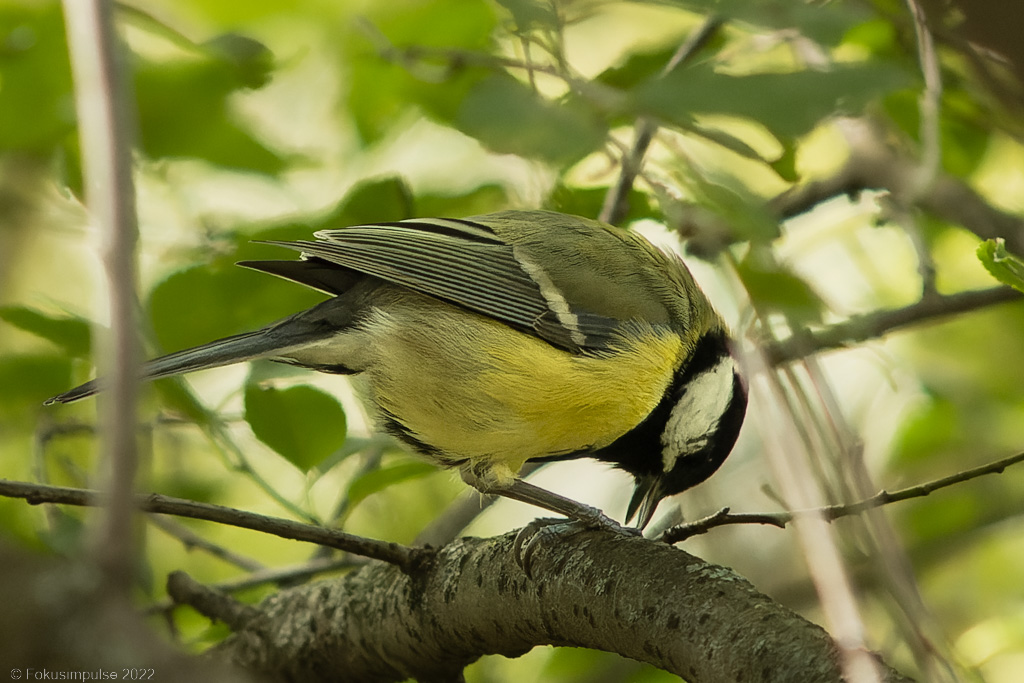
644 600
403 556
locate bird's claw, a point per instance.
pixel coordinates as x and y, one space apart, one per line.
532 536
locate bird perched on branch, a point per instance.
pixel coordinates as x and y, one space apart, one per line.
490 341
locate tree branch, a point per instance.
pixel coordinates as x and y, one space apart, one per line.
210 602
875 166
647 601
871 325
104 130
833 512
615 206
404 557
191 539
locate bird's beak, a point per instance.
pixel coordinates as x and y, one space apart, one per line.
646 497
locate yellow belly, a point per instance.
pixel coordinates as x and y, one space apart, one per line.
489 397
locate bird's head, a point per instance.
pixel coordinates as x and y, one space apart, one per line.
700 419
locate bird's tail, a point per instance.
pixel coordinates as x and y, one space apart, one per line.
241 347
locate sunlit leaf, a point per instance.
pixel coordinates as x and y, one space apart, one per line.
379 479
787 104
1004 266
381 88
509 117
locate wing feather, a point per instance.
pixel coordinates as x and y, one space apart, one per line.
464 263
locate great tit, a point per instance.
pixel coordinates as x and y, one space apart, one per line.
490 341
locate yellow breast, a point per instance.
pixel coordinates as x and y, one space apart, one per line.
483 394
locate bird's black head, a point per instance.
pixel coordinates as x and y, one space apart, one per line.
689 434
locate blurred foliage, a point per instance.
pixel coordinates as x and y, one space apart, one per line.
266 121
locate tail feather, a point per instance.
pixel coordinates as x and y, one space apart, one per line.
241 347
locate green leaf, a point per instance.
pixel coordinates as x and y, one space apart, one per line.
788 104
772 287
825 25
1004 266
508 117
484 199
964 131
184 103
202 303
381 90
28 379
377 480
589 201
371 201
252 61
530 14
38 110
303 424
72 334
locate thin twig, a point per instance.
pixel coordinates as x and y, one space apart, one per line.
104 129
289 575
833 512
873 165
615 204
191 539
402 556
876 324
931 98
210 602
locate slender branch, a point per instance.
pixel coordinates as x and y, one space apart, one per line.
875 166
406 558
833 512
191 539
104 131
931 97
602 97
210 602
289 575
876 324
615 202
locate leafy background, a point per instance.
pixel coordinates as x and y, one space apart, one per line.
266 120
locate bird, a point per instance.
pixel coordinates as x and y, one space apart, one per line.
487 342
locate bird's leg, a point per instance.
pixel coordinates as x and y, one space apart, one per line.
535 534
502 481
525 492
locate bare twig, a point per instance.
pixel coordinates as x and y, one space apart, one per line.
876 324
833 512
288 575
931 97
875 166
408 559
209 602
104 130
615 202
191 539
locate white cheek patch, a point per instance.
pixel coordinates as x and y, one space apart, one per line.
694 419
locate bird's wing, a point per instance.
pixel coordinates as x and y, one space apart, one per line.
465 263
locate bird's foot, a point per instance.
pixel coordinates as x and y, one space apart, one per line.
545 530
